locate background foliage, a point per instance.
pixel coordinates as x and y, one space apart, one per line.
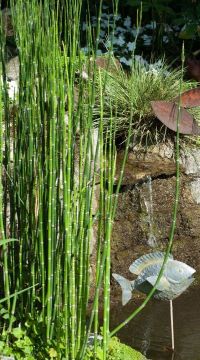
173 22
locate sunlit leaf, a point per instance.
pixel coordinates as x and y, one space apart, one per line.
6 241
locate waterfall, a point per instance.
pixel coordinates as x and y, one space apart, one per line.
148 220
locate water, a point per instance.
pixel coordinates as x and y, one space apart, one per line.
147 195
150 333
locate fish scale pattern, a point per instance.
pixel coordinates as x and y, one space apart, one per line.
147 260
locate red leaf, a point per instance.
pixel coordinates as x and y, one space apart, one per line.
167 113
189 98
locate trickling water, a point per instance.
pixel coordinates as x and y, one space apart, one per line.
147 197
151 238
145 343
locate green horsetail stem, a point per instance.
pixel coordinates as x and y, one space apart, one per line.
109 221
3 95
104 227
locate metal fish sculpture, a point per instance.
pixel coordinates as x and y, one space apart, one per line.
176 278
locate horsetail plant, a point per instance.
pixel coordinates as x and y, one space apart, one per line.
2 232
55 159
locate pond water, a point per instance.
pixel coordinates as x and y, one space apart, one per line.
150 333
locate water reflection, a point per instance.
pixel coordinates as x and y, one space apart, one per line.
150 332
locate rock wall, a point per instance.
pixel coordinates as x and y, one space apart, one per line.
145 206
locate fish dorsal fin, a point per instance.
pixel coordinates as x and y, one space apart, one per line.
147 260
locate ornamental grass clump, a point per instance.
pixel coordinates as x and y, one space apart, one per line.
133 92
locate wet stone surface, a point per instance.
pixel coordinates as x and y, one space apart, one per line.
144 214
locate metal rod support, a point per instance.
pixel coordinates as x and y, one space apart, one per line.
172 323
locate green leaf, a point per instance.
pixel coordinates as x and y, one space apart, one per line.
6 316
3 311
6 241
2 345
18 332
189 32
52 353
99 353
17 293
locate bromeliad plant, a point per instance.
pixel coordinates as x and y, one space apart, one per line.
53 158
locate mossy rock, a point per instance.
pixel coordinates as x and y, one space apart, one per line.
116 351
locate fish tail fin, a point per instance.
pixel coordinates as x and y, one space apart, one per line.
127 287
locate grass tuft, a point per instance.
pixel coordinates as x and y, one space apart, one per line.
132 93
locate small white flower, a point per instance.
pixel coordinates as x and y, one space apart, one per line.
117 17
153 71
131 46
165 39
156 67
158 64
120 29
127 22
125 61
141 60
104 24
102 33
108 44
147 39
134 32
151 26
119 41
167 28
